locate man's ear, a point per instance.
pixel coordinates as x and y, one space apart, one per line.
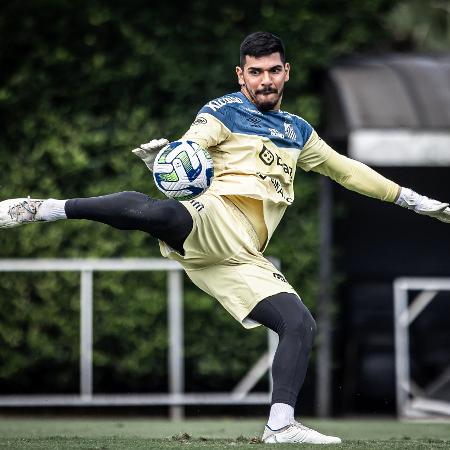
287 68
240 75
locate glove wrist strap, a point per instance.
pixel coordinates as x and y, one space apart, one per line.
408 198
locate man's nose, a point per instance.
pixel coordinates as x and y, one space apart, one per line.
266 80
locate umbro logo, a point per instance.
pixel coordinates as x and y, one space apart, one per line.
254 121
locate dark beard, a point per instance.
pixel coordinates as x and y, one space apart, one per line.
266 105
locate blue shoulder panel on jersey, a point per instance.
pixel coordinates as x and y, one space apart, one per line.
241 116
219 108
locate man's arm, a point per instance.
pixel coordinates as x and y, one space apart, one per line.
356 176
206 130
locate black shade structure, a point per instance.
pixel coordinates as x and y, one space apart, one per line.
391 112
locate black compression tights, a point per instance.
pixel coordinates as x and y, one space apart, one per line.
286 315
167 220
170 221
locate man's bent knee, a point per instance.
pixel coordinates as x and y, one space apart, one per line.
300 326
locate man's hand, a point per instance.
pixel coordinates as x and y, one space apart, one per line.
147 152
423 205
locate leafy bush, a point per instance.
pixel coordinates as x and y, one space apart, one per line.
81 84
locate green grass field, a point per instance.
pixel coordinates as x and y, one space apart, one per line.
108 434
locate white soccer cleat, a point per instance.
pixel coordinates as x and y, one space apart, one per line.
296 432
18 211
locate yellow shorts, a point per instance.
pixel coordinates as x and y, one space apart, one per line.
222 257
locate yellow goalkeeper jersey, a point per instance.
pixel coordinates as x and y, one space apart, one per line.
256 154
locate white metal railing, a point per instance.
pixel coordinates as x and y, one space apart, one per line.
176 396
411 400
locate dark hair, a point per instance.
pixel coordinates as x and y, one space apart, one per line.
261 43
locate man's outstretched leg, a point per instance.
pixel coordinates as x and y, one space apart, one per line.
285 314
167 220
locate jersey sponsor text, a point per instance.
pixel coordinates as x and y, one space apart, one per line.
217 104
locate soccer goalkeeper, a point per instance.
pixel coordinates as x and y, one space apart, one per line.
219 238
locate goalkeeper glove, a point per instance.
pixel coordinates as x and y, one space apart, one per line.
147 152
423 205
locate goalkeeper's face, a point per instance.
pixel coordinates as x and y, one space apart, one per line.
262 80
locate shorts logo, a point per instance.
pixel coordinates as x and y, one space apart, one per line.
197 205
200 121
280 277
266 156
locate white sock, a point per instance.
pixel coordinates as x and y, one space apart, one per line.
280 415
52 209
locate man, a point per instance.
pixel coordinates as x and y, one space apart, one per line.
219 238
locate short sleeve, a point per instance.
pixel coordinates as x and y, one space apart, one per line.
207 131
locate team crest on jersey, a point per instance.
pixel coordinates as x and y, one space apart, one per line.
289 131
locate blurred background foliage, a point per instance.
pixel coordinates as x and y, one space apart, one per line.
82 83
423 25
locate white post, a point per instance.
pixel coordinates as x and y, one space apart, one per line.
401 346
272 337
86 292
176 338
324 323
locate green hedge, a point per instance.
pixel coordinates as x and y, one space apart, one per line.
81 84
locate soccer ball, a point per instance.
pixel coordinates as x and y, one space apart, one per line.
183 170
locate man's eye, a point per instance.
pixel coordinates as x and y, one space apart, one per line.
254 72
